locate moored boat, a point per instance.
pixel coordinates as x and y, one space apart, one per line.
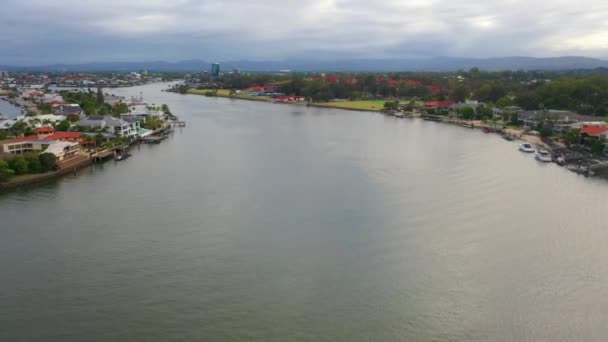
525 147
543 156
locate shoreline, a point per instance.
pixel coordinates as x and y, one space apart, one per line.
39 178
519 134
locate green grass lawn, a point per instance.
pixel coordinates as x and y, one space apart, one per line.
226 93
360 105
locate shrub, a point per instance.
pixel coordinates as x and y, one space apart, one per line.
5 171
19 165
48 162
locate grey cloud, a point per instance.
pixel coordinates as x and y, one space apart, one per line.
70 31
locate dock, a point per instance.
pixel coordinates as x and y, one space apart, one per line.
101 155
152 139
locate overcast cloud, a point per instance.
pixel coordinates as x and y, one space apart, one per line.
71 31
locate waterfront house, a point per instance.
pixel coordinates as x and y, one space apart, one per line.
271 87
113 125
594 132
143 110
64 150
68 110
135 124
559 121
19 146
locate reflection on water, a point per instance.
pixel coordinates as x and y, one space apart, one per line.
270 223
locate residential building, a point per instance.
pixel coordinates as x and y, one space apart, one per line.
596 132
67 110
64 150
17 146
108 123
271 87
559 121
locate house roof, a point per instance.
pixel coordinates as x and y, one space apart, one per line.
59 147
99 120
44 129
439 104
594 131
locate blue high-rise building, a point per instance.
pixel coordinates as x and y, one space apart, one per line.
215 70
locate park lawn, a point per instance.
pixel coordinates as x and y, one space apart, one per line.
226 93
220 92
358 105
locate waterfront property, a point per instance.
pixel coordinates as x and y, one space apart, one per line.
19 146
64 150
108 123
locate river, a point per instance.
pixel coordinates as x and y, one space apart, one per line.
267 222
8 110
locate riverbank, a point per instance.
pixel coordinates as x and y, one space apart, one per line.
226 94
70 166
377 106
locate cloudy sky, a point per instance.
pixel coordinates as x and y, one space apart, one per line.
72 31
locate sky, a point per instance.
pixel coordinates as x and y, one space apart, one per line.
35 32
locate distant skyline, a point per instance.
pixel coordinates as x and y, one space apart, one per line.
36 32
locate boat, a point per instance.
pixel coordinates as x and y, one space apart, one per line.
560 160
525 147
543 156
122 156
487 130
508 137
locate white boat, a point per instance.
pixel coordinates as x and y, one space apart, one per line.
543 156
525 147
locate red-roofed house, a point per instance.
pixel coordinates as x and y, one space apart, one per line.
331 79
594 132
271 87
351 80
43 132
435 89
439 104
412 83
256 88
48 133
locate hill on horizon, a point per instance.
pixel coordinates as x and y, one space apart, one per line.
437 64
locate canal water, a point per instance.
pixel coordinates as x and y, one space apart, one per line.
268 222
8 110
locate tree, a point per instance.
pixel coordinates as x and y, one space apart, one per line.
597 146
571 137
33 164
466 113
120 108
459 93
48 162
504 101
391 105
99 139
18 164
45 108
63 126
5 171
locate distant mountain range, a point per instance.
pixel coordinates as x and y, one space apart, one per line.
354 65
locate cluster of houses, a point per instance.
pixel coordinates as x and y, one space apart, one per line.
38 81
84 130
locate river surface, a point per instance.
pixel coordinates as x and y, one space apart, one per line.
8 109
268 222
